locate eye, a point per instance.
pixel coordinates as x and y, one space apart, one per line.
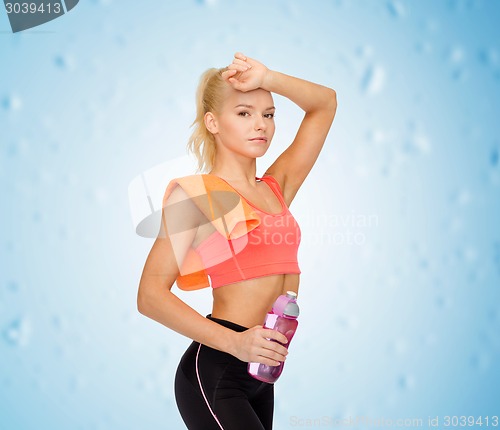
269 115
244 113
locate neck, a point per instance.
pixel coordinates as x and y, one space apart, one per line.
236 172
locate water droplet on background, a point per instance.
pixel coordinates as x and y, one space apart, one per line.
489 57
373 81
101 195
480 360
76 383
65 62
423 263
423 47
18 332
37 216
419 144
459 74
398 347
350 322
102 2
443 302
396 8
496 255
461 5
430 339
365 51
18 148
208 3
461 197
467 254
494 157
455 224
65 233
13 286
455 54
11 102
406 382
494 315
58 322
431 26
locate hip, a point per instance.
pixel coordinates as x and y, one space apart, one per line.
220 371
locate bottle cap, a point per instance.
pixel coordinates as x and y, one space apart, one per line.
291 309
287 305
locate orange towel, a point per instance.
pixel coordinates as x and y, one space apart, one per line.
224 208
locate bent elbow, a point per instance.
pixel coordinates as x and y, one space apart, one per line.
333 99
332 105
142 300
141 304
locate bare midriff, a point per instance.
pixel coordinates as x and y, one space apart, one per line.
247 302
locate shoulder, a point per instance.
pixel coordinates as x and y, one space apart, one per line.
200 185
182 187
180 200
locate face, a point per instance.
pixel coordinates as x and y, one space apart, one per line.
245 123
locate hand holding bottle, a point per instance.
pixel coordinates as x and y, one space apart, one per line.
259 344
282 318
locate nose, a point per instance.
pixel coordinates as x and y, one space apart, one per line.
260 124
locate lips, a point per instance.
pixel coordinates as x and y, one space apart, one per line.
261 139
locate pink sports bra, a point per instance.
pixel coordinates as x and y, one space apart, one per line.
268 249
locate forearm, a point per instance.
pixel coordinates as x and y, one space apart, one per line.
167 309
307 95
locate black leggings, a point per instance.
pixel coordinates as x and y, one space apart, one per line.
213 390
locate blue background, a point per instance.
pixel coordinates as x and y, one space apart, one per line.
400 216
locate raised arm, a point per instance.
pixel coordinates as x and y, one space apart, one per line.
319 104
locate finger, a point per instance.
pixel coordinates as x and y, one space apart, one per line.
236 84
274 349
229 73
239 67
269 362
240 56
272 355
242 63
237 75
276 335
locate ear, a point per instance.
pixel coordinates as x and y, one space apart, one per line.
211 123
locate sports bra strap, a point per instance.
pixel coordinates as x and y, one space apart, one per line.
275 186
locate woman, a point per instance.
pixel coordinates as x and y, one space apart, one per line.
248 268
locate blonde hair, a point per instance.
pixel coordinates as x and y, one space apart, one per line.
209 98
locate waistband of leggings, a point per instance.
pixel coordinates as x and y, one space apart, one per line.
228 324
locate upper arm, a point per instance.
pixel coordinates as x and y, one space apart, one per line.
179 224
292 167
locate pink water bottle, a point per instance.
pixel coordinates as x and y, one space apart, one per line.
282 318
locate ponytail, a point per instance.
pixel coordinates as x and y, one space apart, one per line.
209 98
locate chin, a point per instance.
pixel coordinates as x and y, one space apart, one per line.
257 154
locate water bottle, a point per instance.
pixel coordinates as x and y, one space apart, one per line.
282 318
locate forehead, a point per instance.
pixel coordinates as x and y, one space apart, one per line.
258 98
